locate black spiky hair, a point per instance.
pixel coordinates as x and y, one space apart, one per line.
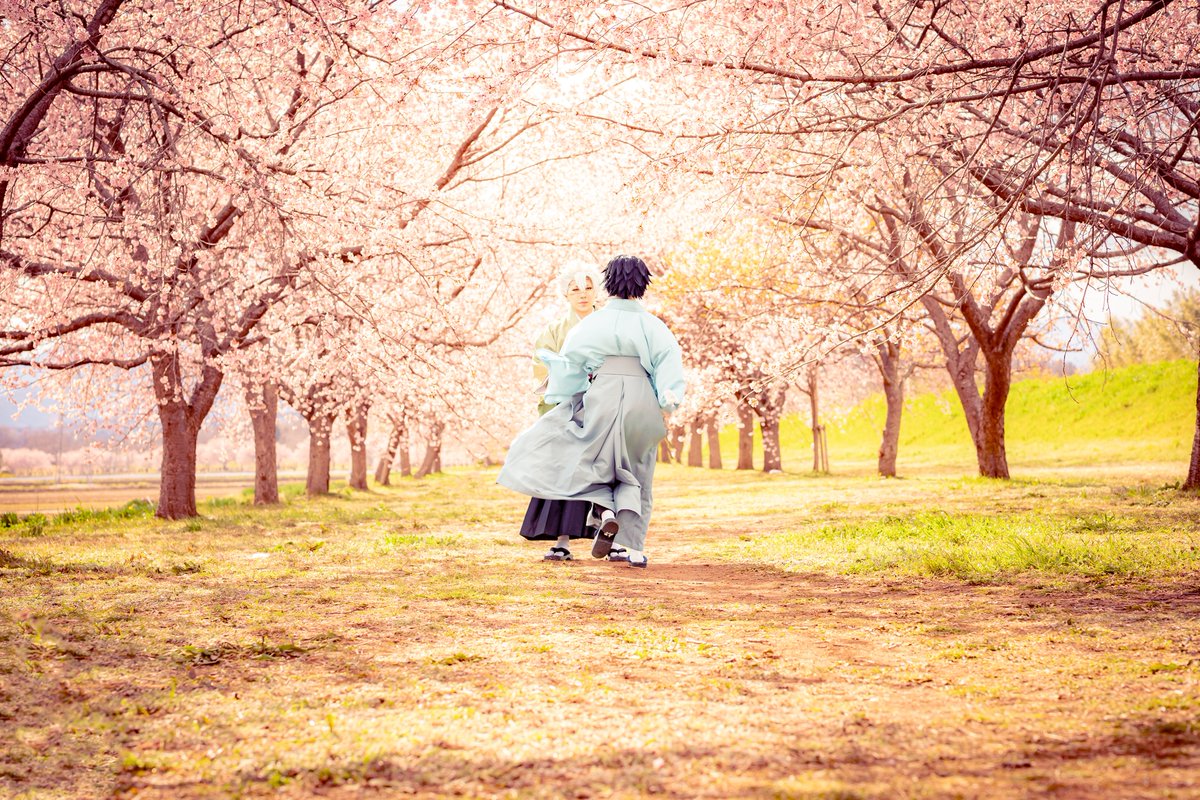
626 277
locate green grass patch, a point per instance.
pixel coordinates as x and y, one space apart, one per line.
977 546
37 524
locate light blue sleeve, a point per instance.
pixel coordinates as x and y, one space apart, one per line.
666 361
567 378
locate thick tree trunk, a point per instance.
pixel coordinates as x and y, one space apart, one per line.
177 487
714 443
356 428
383 472
893 393
263 402
664 451
181 421
1193 477
320 427
989 445
695 444
745 436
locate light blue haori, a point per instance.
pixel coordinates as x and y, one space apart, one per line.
600 442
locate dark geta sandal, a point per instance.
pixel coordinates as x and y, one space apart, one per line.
558 554
617 554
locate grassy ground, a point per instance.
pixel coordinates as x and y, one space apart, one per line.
794 637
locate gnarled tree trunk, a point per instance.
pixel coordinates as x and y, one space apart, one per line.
263 402
888 361
432 462
383 472
181 419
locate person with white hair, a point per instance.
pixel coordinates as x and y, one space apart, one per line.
562 520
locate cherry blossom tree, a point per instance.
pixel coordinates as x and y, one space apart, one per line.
1082 112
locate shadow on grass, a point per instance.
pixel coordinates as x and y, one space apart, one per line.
45 566
845 767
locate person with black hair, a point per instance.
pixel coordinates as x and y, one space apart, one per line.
620 372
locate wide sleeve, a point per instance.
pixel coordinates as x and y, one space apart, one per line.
567 377
548 339
666 361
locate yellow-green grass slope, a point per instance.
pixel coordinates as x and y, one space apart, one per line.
1139 414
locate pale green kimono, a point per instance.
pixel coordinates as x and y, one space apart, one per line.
552 338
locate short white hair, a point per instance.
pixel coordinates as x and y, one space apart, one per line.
578 273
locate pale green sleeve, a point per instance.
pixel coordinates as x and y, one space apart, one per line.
666 360
551 338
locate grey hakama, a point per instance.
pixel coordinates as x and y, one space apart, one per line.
601 446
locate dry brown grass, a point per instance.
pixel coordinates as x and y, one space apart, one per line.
407 643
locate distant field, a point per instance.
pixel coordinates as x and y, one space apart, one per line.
51 497
1136 421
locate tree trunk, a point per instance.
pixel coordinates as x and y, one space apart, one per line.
664 451
714 443
696 444
678 435
745 436
177 488
1193 477
989 444
383 472
893 393
432 462
770 410
356 428
772 458
181 420
405 459
820 460
320 426
263 402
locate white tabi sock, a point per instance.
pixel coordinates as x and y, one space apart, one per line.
635 555
564 542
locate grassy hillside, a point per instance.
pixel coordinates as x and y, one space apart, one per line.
1143 413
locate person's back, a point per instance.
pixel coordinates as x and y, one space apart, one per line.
626 367
622 328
